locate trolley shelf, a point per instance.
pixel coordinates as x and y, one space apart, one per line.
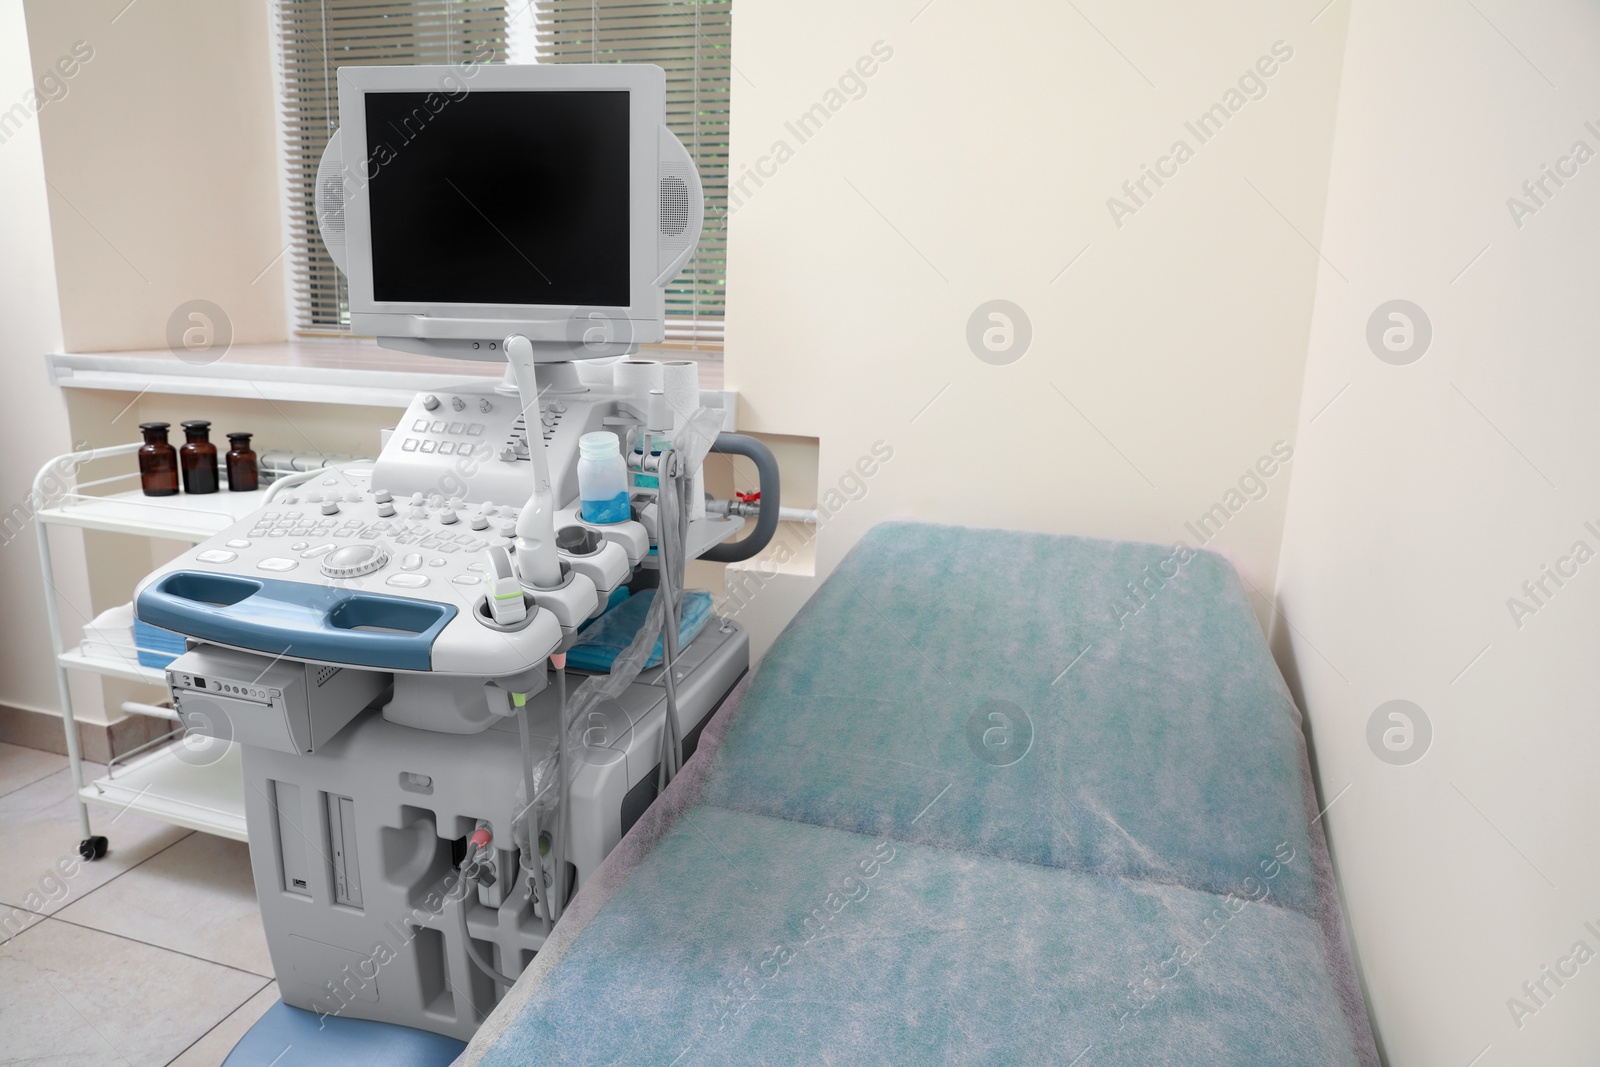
179 518
185 790
129 670
167 782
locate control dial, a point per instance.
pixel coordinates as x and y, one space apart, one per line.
352 561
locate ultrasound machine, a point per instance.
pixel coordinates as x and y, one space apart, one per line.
427 782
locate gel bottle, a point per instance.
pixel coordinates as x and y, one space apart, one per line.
602 479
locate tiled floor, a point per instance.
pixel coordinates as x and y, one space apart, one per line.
153 955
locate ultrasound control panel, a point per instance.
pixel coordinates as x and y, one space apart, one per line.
472 444
336 571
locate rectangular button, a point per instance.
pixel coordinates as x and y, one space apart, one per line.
457 427
421 426
475 429
428 446
447 448
408 445
437 426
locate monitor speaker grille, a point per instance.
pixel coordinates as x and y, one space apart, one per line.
330 207
330 200
674 206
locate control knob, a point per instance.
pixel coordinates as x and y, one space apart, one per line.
430 402
352 561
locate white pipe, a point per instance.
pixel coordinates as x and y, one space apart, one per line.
738 507
134 707
289 480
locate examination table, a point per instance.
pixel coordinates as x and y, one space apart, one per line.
992 797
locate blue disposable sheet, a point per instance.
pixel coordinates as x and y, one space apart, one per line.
598 646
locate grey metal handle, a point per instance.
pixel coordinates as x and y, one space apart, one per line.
738 444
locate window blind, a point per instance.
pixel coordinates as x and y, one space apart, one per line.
690 40
316 37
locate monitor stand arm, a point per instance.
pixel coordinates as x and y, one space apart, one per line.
538 565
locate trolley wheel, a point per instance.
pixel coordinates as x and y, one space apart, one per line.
92 848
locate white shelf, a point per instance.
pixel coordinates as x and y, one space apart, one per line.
208 797
348 371
180 518
128 670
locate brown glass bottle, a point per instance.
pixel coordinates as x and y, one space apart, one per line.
158 461
198 458
241 463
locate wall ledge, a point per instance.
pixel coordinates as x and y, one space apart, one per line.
354 372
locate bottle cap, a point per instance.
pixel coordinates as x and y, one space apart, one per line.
602 444
155 425
194 426
240 439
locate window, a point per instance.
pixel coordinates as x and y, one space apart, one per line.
315 38
688 38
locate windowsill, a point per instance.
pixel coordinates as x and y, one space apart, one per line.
352 372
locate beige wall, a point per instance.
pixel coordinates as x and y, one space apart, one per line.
35 425
162 162
976 164
1425 496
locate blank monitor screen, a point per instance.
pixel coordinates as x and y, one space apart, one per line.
499 197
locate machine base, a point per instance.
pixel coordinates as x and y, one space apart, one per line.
290 1037
355 847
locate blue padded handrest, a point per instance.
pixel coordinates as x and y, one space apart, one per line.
292 1037
296 619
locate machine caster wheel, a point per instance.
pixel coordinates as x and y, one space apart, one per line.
92 848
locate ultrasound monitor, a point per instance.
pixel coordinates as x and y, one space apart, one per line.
468 204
